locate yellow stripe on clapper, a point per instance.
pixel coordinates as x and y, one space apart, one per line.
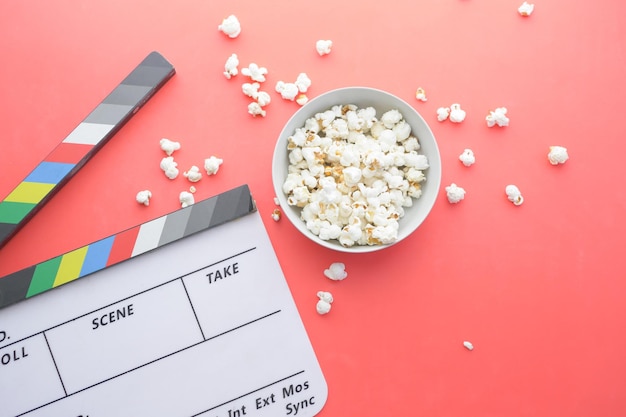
71 264
29 192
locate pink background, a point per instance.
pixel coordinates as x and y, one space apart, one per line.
538 289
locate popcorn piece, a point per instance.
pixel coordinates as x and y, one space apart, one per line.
497 117
230 68
526 9
457 115
514 195
143 197
288 91
557 155
323 47
192 189
255 72
186 199
230 26
169 146
420 94
323 307
467 157
352 175
276 214
302 99
169 167
212 165
263 98
443 113
391 118
276 201
468 345
325 295
255 109
455 193
194 174
336 271
303 82
325 299
251 89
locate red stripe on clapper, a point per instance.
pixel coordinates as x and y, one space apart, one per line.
70 153
123 246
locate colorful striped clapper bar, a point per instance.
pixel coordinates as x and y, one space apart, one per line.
128 244
82 143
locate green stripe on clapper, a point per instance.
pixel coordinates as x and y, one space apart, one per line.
13 213
44 276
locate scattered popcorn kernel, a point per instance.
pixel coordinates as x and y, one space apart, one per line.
497 117
443 113
455 193
171 172
192 189
514 195
302 99
325 295
303 82
212 165
322 307
186 199
169 167
276 214
230 26
323 47
169 146
557 155
526 9
420 94
255 109
251 89
230 68
336 271
325 299
288 91
276 201
457 115
194 174
467 157
143 197
263 98
468 345
255 72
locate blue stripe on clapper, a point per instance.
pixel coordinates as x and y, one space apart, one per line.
49 172
97 256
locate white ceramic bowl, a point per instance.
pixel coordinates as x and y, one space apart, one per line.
382 102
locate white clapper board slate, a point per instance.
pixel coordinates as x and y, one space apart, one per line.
202 326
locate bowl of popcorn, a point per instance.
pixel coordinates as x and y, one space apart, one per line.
356 169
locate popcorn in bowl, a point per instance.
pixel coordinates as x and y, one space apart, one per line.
356 169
